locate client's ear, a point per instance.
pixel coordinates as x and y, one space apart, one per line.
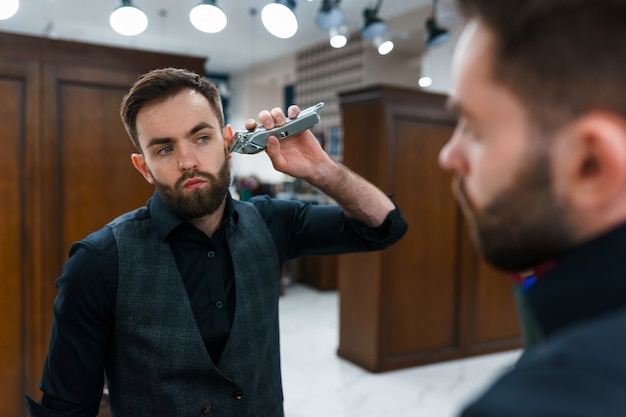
227 133
595 161
140 165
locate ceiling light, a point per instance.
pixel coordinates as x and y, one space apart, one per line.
435 34
8 8
207 17
383 45
279 18
128 20
425 82
374 26
338 37
329 15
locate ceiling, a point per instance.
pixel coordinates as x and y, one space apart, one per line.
243 44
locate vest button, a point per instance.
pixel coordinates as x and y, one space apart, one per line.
206 409
239 395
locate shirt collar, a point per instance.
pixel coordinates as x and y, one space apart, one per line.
586 282
164 220
536 273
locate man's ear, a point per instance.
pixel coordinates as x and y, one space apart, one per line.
140 164
227 133
595 159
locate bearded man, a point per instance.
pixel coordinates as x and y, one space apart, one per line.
176 303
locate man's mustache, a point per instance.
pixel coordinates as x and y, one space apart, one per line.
193 174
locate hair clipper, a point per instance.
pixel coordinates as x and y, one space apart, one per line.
256 141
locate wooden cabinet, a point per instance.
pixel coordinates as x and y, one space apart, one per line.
66 171
319 272
429 297
18 288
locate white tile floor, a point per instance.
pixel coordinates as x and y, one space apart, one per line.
317 382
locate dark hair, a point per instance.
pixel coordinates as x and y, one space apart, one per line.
157 86
562 58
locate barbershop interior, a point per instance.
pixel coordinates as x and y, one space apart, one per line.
417 329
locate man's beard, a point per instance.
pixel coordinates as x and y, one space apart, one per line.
194 204
523 226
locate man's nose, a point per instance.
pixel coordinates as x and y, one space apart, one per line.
187 159
451 157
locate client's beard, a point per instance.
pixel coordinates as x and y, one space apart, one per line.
524 225
194 204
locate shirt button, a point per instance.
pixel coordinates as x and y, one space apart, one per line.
239 395
211 254
219 304
206 409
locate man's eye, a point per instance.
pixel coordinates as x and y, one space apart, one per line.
164 151
203 139
467 129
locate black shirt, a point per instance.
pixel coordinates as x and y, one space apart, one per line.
579 368
84 309
205 264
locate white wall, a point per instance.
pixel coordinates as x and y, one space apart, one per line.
394 69
262 87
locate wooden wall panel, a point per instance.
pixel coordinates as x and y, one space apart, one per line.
12 321
66 171
361 298
364 155
422 274
20 301
496 320
78 54
97 179
360 320
490 322
319 272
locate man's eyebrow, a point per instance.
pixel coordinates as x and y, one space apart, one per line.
159 141
168 140
458 109
199 127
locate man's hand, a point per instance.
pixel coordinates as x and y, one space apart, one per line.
300 156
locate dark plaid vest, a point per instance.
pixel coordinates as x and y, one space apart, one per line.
159 365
